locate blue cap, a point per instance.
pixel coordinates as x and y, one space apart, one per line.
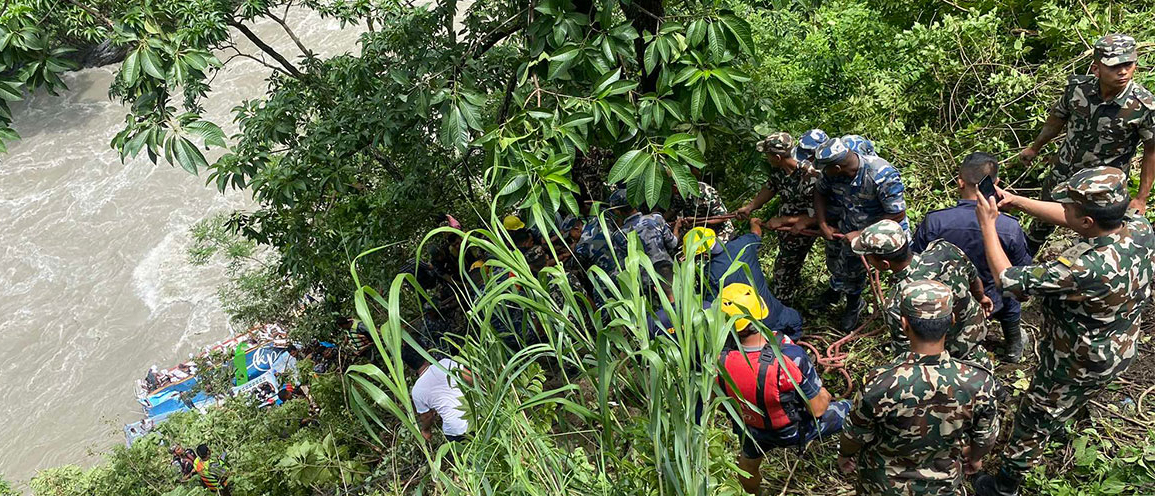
618 198
859 144
808 142
831 152
568 223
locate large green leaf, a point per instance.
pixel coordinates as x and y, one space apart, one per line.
653 183
187 155
741 31
10 91
717 42
130 69
622 168
685 179
151 63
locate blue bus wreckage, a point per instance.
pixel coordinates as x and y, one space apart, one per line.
164 392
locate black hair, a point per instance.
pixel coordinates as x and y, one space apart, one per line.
411 357
284 395
1109 217
978 165
203 451
930 329
902 255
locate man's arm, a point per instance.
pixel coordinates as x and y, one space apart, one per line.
760 199
1146 176
897 217
425 422
1051 129
988 215
820 213
756 226
984 430
820 403
1049 212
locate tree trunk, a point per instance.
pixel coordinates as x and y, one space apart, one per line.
645 16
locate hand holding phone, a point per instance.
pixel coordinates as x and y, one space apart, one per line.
987 188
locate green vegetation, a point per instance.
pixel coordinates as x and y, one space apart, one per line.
521 106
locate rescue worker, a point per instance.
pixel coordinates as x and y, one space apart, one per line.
863 189
783 414
885 247
1106 115
921 422
737 262
959 226
213 474
1091 298
793 183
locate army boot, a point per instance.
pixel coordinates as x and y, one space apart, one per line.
1012 342
1002 484
828 299
850 316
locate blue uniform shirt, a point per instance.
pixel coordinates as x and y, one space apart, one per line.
657 239
959 226
876 191
744 249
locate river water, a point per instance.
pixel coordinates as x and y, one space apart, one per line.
95 285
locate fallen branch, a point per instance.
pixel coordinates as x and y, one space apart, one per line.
1103 407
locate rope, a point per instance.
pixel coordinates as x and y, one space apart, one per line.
834 358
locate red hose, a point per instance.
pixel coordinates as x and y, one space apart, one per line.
834 357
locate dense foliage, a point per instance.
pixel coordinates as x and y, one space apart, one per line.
526 105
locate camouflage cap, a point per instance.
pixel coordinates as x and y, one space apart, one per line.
569 223
808 142
1097 186
1115 49
881 238
859 144
926 300
618 198
831 152
780 143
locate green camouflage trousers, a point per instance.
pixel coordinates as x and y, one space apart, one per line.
847 274
792 252
1048 404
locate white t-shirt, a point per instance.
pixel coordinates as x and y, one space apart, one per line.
438 391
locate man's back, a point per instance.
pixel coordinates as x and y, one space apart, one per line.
657 238
959 226
914 417
944 262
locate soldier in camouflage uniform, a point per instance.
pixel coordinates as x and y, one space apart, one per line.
793 183
695 210
862 189
886 248
923 421
1106 116
1091 298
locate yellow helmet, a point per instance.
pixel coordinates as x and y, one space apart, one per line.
512 223
704 236
740 299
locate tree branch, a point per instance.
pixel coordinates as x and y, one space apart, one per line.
292 35
266 48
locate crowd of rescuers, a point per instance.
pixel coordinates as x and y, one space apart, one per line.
923 422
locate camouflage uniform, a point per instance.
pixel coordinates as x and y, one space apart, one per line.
1091 298
914 417
1099 133
707 204
593 247
943 262
795 193
858 202
657 238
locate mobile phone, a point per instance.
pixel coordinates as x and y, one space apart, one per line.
987 188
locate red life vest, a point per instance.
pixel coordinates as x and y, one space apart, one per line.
763 382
